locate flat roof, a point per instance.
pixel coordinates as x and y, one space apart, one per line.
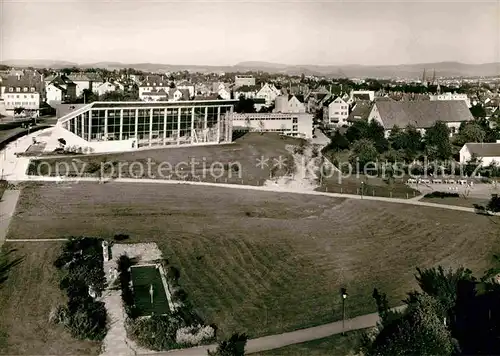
161 104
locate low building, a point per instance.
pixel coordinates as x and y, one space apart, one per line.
104 88
289 104
153 84
246 91
366 95
486 153
292 124
420 114
242 80
451 96
126 126
89 81
166 94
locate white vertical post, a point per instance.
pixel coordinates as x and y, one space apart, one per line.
150 126
106 123
164 126
90 126
136 126
218 124
121 124
178 126
192 125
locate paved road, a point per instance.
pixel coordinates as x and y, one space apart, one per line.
8 204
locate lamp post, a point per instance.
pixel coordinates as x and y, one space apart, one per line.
344 297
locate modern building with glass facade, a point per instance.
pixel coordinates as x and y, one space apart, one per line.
124 126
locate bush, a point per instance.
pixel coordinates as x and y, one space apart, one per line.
121 237
81 266
173 274
156 333
124 264
441 195
194 335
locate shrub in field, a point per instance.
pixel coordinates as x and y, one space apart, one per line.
442 195
124 264
194 335
121 237
155 333
173 274
81 266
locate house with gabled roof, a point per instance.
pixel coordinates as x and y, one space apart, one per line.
421 114
289 104
486 153
335 111
268 92
84 81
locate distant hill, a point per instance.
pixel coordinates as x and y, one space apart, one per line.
443 69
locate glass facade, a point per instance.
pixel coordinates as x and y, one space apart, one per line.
179 123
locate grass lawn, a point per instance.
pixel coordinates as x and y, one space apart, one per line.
26 299
372 186
193 162
264 262
142 279
334 345
458 201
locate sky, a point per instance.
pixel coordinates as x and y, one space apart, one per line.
228 32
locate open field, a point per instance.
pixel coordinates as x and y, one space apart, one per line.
26 299
142 278
335 345
263 262
192 163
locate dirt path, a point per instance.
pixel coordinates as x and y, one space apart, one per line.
8 204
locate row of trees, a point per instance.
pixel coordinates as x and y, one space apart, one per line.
367 142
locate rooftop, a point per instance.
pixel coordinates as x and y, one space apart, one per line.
422 114
484 149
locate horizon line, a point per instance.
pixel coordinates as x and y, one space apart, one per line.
244 62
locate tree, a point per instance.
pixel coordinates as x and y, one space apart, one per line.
478 111
437 141
338 142
442 284
245 105
234 346
470 132
358 130
419 331
396 138
412 142
363 151
376 132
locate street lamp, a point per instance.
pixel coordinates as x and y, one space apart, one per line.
344 297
